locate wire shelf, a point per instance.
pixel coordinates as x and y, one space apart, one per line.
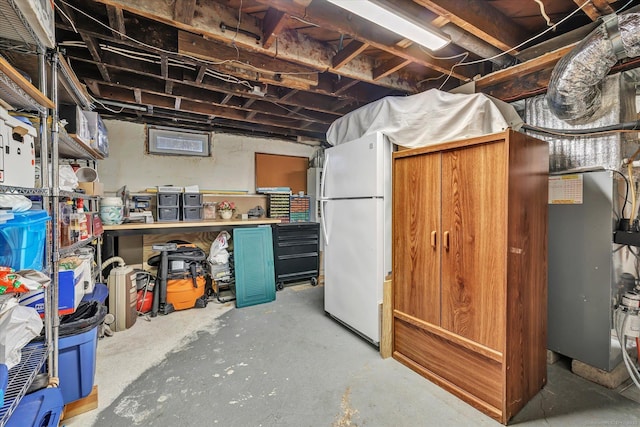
15 26
21 376
24 190
70 249
76 195
14 95
69 147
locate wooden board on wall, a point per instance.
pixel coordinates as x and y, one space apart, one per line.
274 170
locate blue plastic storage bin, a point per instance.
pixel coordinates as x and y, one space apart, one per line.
77 345
38 409
22 240
77 364
4 382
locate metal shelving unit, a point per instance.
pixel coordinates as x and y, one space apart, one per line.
18 92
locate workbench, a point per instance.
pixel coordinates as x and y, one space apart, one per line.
205 227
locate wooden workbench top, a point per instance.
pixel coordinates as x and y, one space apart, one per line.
191 224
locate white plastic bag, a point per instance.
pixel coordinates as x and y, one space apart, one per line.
67 179
16 202
18 326
218 253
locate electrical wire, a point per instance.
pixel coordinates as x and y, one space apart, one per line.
633 373
193 58
544 13
75 30
626 193
479 61
444 58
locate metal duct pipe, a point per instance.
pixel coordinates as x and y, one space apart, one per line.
476 45
574 89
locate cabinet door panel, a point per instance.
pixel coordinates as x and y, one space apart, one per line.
474 192
416 215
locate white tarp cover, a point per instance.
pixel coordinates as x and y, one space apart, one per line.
426 118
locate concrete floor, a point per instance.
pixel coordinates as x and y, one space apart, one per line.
288 364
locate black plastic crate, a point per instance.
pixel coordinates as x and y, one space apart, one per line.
192 199
169 199
168 213
192 213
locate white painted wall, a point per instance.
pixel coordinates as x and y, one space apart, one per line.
232 166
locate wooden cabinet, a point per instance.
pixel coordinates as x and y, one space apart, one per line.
470 267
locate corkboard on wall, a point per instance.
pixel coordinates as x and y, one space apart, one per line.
274 170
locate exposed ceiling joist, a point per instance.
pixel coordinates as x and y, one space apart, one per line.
479 19
183 10
292 47
116 21
272 24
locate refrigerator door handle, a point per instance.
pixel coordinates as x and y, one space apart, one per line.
324 177
322 220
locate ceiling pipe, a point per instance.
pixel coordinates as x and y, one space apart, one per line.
477 46
574 88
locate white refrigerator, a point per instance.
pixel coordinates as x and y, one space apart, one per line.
356 225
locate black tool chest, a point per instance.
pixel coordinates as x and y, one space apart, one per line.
296 250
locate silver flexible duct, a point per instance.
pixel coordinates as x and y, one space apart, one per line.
574 89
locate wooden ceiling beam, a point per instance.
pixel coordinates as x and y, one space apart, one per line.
116 21
350 51
595 9
199 47
325 84
121 94
389 67
343 85
480 19
187 96
517 71
310 101
183 11
273 22
292 47
335 19
96 54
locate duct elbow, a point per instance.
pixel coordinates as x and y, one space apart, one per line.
574 88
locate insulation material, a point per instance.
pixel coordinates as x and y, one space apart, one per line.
574 93
426 118
607 150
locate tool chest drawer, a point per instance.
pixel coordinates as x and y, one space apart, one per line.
296 249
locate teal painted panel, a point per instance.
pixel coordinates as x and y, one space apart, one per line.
253 256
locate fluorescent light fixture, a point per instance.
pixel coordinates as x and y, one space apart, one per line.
394 19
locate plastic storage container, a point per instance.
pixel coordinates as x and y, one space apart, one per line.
42 408
169 199
77 350
111 210
191 199
22 240
192 213
168 214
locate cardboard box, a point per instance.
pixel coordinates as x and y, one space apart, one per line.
71 291
92 188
